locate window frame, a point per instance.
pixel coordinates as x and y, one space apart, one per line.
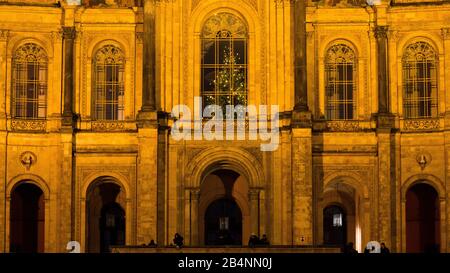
114 60
331 64
218 37
29 55
411 104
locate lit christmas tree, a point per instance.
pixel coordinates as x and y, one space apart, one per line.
229 83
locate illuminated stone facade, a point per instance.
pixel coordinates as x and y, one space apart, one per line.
364 160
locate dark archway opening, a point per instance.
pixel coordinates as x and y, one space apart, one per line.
422 219
105 217
112 226
27 219
223 223
334 226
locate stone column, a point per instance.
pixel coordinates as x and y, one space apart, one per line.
446 38
69 38
386 143
302 187
147 208
4 34
385 185
195 197
382 60
253 198
300 76
149 73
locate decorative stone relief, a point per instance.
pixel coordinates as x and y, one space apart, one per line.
343 126
423 159
27 159
421 124
341 3
28 125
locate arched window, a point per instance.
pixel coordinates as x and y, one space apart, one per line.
420 81
340 82
108 83
224 61
29 82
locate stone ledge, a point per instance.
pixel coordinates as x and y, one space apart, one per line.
231 249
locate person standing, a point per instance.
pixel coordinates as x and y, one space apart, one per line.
384 249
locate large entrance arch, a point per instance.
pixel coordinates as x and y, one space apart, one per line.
27 219
224 172
224 209
422 219
341 213
105 215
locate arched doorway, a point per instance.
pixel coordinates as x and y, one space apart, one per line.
27 219
334 226
223 223
224 215
105 216
422 219
340 215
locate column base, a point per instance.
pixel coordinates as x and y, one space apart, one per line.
385 120
301 119
68 120
147 119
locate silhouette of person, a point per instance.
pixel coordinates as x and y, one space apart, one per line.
253 241
384 249
178 240
264 241
349 249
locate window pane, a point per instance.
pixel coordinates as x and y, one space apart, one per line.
209 52
419 81
224 68
340 82
109 84
29 82
209 77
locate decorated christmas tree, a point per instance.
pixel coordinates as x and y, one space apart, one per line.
230 83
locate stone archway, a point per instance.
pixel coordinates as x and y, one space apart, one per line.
437 185
211 164
105 215
346 193
228 189
27 219
422 214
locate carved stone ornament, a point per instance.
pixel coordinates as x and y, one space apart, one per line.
28 125
27 159
421 124
423 159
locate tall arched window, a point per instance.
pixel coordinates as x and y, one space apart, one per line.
29 82
420 81
340 82
224 61
108 83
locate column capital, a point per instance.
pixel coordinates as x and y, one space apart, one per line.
445 32
381 32
140 37
68 33
253 194
195 194
281 3
4 35
393 35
